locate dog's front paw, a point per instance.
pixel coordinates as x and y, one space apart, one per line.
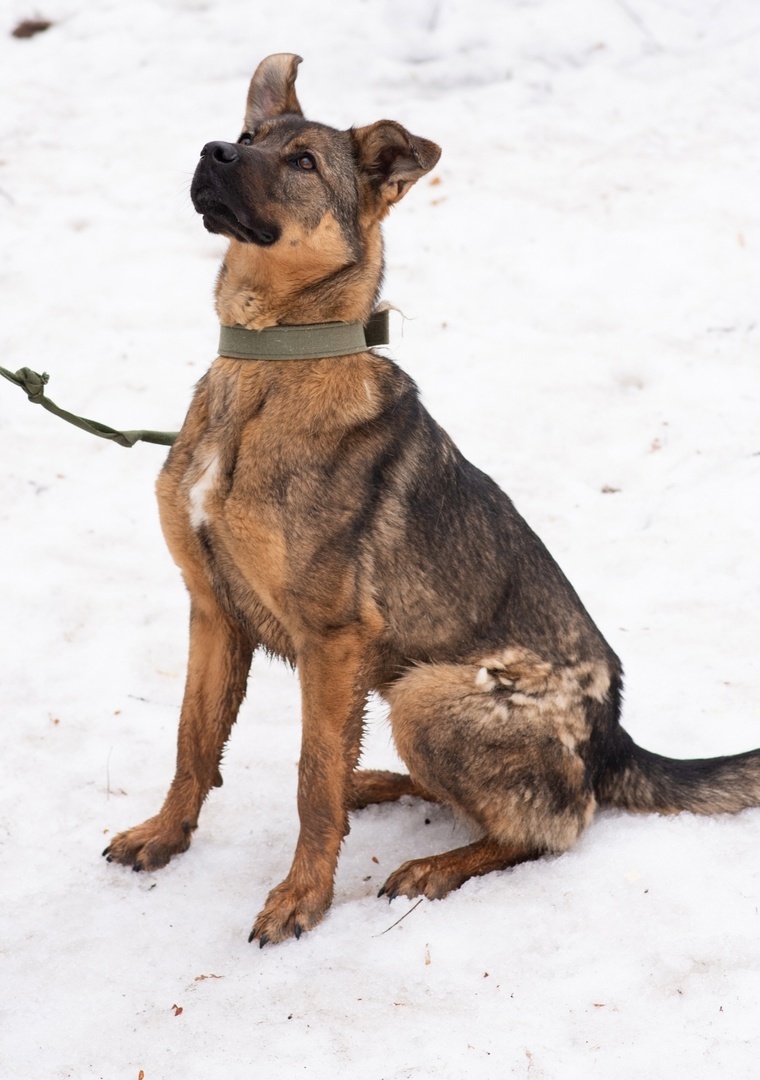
423 877
288 912
149 846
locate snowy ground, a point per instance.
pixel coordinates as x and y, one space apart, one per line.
580 278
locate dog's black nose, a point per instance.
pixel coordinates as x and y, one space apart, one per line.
223 152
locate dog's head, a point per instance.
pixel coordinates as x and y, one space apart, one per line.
287 179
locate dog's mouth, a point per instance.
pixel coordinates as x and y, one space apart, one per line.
220 218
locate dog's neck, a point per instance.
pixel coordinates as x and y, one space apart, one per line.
261 287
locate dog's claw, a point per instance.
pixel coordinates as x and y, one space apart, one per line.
298 930
263 940
137 867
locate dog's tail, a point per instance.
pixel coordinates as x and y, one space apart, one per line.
636 779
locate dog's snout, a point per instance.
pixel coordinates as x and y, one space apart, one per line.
223 152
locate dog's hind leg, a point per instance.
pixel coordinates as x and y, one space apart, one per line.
438 875
500 741
220 659
379 785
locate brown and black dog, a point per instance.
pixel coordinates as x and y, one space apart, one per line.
318 512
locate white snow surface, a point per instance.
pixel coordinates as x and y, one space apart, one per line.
580 283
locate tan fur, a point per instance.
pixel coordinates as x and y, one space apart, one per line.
256 293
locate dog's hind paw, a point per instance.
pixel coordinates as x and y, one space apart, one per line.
149 846
288 913
422 877
439 875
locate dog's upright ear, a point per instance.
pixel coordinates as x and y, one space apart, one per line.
393 159
272 90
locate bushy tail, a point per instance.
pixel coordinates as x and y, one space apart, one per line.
637 779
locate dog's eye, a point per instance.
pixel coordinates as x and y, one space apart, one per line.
246 138
305 162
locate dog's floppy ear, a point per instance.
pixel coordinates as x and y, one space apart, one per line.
392 158
272 91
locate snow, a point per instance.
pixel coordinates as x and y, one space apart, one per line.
579 279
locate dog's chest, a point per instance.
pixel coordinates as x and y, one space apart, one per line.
203 485
255 503
228 508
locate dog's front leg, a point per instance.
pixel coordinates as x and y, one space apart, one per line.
333 697
218 666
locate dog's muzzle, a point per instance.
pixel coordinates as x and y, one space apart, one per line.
220 193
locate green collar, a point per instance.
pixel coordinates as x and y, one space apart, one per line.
311 342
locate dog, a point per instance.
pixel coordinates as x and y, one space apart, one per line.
318 512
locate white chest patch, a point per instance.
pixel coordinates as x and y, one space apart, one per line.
200 488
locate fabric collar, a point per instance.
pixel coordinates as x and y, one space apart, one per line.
314 341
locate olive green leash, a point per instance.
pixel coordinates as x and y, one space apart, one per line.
313 342
34 385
